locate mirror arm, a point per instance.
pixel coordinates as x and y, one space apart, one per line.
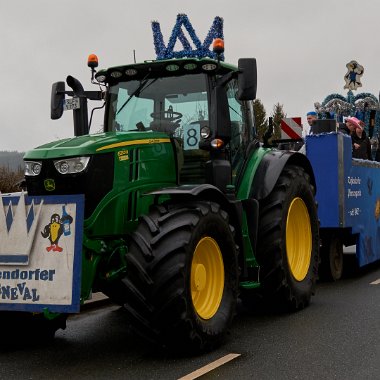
226 78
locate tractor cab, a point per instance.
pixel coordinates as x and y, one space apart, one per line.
194 101
202 104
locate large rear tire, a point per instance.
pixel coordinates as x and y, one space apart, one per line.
288 241
182 276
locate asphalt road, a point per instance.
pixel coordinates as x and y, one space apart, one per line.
336 337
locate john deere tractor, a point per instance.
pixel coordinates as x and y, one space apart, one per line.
184 208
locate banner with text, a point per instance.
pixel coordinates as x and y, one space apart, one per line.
40 252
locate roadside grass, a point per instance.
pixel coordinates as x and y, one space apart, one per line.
10 180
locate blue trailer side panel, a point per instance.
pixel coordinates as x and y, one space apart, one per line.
324 157
348 192
363 208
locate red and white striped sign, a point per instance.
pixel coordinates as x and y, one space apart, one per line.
291 128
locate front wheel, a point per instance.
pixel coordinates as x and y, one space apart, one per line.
182 276
288 241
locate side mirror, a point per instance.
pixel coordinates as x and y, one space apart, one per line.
247 79
57 98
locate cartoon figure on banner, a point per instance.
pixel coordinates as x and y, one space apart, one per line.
57 227
352 78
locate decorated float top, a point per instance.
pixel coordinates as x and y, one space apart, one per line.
201 49
191 54
364 106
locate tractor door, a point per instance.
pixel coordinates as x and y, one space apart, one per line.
241 115
185 104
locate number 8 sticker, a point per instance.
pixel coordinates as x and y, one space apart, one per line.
192 134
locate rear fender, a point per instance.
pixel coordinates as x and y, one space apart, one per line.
271 167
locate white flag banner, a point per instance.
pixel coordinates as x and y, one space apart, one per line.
40 252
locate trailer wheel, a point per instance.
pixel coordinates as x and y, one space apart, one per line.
182 276
288 241
331 267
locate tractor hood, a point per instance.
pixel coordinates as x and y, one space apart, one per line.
94 144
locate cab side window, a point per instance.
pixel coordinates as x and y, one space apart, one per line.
239 131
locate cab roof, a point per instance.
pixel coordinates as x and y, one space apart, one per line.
170 67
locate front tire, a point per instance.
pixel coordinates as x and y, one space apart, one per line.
288 241
182 276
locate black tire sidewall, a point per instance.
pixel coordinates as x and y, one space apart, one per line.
336 251
331 248
299 187
278 285
158 280
215 226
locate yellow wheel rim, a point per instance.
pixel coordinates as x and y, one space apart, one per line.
207 278
298 239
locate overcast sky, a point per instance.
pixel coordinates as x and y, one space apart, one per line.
301 46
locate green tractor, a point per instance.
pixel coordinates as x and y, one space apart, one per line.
184 208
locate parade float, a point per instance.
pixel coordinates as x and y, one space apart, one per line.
365 106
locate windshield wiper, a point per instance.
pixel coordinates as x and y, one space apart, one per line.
137 91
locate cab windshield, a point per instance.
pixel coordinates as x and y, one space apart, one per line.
165 104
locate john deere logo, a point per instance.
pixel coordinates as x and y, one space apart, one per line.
49 184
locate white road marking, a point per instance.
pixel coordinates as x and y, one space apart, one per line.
209 367
377 282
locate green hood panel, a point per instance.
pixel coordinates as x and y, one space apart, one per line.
93 144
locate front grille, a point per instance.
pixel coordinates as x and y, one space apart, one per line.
95 182
134 162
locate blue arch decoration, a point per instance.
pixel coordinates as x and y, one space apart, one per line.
202 49
364 106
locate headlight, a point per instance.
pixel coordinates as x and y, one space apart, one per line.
209 66
205 132
33 168
72 165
